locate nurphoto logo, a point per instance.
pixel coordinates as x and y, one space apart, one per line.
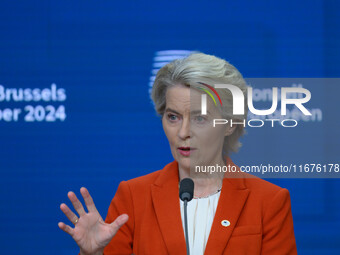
238 104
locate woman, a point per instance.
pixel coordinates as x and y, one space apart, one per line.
228 215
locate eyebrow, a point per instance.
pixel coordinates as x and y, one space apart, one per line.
198 111
192 112
171 110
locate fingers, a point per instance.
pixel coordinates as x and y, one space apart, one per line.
66 228
69 214
77 205
88 200
120 221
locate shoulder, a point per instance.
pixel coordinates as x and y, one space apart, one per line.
142 182
256 185
259 185
132 192
159 177
266 193
262 188
262 194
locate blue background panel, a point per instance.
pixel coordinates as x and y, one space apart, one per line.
102 54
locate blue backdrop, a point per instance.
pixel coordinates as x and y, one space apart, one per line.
75 109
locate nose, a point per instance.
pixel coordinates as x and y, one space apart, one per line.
184 131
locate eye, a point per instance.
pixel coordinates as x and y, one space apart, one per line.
200 119
172 117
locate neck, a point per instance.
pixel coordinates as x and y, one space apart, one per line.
205 184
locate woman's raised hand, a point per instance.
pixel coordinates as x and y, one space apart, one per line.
90 232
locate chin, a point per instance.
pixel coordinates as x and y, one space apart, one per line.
184 163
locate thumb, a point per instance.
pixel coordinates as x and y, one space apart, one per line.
120 221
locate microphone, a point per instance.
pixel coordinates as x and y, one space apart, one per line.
186 189
186 193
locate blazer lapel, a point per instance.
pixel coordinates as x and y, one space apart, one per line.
230 205
165 197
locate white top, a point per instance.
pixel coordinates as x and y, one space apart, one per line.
201 213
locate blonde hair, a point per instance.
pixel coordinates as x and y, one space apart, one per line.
201 68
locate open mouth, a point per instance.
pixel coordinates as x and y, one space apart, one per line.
185 148
186 151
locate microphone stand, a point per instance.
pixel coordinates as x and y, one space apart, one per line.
186 225
186 193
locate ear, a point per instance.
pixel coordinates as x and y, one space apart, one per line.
229 130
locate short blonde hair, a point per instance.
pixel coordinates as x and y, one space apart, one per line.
201 68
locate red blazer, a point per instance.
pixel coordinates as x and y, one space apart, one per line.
259 214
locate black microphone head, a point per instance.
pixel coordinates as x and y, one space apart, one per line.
186 189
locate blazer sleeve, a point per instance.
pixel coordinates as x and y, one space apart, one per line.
278 229
122 202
